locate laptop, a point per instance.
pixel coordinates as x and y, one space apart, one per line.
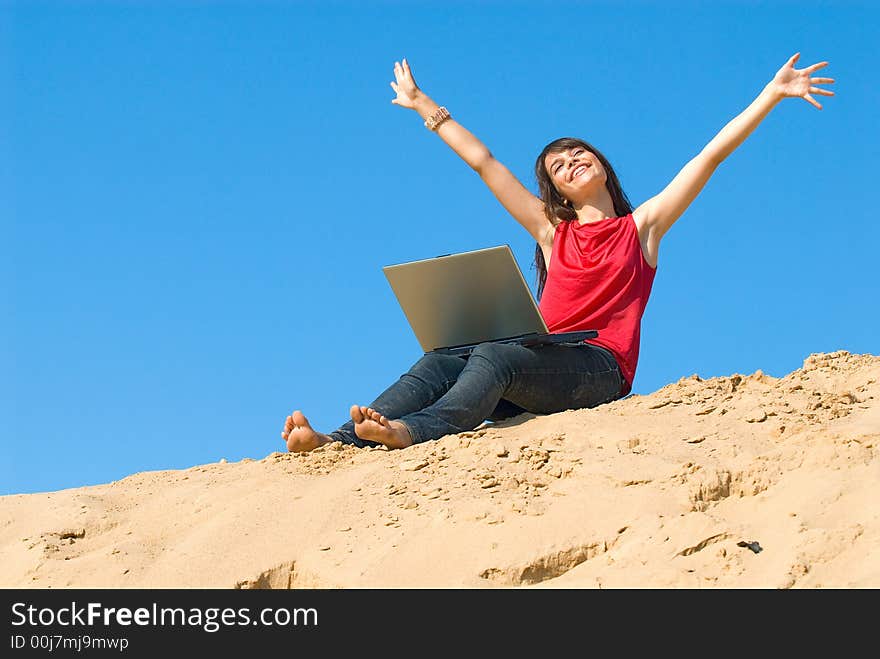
454 302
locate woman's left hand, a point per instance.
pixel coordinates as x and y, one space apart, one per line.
789 81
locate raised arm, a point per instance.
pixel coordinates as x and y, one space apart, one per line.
659 213
526 208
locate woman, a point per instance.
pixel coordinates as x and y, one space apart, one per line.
596 257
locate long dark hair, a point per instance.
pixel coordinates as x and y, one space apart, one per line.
554 203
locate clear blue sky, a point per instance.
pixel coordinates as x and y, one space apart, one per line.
197 199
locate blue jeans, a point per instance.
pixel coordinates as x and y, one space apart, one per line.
444 394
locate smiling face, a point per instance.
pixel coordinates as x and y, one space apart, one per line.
575 172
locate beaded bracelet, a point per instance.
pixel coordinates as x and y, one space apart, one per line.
434 121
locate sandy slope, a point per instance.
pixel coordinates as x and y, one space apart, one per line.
734 482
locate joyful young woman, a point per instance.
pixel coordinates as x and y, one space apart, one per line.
596 258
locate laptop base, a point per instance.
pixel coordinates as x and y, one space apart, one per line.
527 340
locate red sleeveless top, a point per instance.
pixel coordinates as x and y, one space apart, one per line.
599 279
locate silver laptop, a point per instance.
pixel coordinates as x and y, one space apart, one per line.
455 302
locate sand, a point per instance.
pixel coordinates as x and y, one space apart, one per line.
746 481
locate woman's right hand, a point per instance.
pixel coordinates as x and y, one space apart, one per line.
405 86
525 207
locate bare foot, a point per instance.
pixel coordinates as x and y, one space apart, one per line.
300 436
369 424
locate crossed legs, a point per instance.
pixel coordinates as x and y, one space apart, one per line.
442 394
427 381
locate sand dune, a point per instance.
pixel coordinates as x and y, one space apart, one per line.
746 481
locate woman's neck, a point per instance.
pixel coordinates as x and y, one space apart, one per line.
596 209
594 213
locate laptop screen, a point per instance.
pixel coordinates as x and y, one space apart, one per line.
465 298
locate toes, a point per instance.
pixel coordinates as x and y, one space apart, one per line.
356 414
360 413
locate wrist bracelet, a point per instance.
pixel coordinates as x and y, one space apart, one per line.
439 116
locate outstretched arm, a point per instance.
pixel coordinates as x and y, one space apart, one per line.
525 207
659 213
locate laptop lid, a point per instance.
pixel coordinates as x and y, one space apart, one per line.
465 298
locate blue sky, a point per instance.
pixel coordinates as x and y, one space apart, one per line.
197 199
